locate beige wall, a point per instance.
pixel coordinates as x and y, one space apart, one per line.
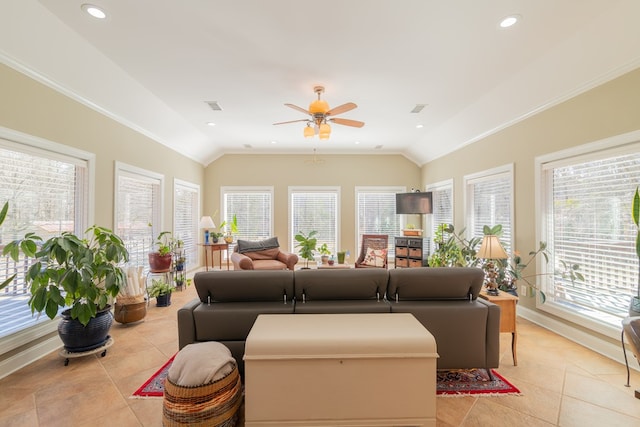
608 110
282 171
32 108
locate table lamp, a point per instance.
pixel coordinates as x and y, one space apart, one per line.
206 223
490 250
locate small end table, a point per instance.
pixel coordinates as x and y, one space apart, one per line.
507 304
214 247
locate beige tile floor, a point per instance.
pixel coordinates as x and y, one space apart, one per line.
563 384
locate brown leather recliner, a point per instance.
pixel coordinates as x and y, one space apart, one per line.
263 255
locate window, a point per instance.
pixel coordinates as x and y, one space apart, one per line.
442 197
377 213
253 208
138 210
186 207
46 185
489 201
315 208
586 196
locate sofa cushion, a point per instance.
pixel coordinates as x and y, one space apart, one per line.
264 254
343 284
442 283
243 285
250 246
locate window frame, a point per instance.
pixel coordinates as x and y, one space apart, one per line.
608 147
434 187
309 190
191 251
399 221
504 171
227 216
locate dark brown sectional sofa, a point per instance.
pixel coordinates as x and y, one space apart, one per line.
445 300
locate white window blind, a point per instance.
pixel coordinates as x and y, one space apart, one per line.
489 202
442 199
253 207
377 213
138 211
186 206
315 209
47 194
587 221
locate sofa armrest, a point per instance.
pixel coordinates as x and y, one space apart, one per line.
289 259
187 324
241 261
493 332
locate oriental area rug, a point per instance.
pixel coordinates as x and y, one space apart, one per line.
454 383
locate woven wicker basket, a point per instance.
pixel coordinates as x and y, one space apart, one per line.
214 404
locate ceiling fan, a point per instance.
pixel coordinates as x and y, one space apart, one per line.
320 114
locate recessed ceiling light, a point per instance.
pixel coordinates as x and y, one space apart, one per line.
419 126
509 21
357 142
273 142
94 11
210 124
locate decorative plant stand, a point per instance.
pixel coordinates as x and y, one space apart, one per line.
72 354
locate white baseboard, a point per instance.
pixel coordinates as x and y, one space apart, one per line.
31 354
592 342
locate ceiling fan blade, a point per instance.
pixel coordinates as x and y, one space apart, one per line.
347 122
341 109
291 121
295 107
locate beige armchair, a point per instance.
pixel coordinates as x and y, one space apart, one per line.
262 255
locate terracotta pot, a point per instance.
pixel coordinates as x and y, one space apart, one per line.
159 263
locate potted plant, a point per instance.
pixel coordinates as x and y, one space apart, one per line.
161 291
233 229
324 253
411 230
160 260
80 275
307 246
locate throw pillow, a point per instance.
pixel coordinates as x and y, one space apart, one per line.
201 363
375 257
249 246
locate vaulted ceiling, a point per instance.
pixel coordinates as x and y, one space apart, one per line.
155 66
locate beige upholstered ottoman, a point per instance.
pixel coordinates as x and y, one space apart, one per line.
202 388
340 370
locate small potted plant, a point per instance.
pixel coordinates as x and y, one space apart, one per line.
233 229
161 291
411 230
307 246
324 253
160 260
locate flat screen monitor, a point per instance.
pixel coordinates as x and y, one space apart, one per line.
413 203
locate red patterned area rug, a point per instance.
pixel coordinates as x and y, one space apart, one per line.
154 386
464 382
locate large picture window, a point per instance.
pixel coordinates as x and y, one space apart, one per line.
138 210
377 213
489 201
186 207
46 186
315 208
586 197
253 208
442 197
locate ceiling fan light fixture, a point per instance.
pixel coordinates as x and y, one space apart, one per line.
324 136
319 106
308 131
325 129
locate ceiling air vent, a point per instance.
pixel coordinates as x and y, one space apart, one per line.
418 108
247 146
214 105
378 147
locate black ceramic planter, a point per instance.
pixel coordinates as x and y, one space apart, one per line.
78 338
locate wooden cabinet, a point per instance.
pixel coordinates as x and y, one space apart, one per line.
411 252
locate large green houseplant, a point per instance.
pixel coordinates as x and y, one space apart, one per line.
82 275
306 245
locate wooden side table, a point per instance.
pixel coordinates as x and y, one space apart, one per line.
214 247
507 303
